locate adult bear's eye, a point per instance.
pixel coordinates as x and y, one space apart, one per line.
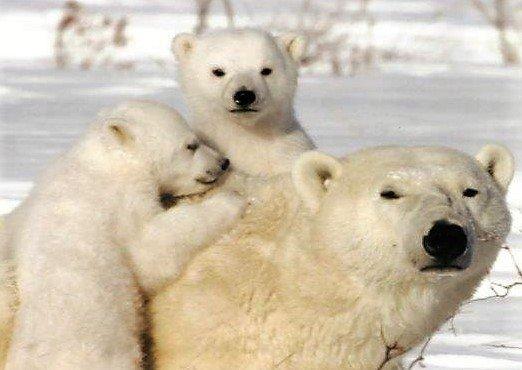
193 146
470 192
389 194
266 71
218 72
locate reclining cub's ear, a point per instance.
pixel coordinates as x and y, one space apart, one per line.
294 44
182 44
312 174
120 130
498 162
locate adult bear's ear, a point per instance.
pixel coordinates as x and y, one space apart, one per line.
498 161
182 44
120 131
294 45
312 174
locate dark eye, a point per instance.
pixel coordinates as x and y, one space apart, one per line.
389 194
266 71
193 147
218 72
470 192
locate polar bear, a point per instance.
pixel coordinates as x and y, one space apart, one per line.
346 264
93 236
239 86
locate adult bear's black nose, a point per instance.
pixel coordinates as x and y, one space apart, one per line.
244 98
445 241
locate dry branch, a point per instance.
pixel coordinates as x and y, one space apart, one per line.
203 10
498 14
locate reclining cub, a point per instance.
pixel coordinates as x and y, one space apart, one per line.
92 236
350 267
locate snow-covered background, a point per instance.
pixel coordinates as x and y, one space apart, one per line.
448 88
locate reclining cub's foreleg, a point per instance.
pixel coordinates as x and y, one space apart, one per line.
171 238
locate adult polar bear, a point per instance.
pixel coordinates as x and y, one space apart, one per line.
362 260
239 86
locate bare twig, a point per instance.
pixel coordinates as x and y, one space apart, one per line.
203 10
502 290
502 346
421 356
499 15
391 351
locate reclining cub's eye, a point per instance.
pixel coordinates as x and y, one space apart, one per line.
193 147
389 194
470 192
266 71
218 72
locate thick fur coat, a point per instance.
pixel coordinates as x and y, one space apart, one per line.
327 270
92 237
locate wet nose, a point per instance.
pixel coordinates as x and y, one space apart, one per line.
244 98
225 164
445 241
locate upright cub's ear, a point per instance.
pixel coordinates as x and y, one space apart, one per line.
182 44
120 130
498 161
294 45
312 175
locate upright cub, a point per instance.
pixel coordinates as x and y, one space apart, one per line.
239 86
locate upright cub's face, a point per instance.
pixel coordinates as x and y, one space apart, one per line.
414 213
243 75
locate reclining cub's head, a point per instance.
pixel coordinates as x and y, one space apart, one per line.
243 75
422 214
156 138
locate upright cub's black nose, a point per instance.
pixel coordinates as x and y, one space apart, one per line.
225 164
445 241
244 98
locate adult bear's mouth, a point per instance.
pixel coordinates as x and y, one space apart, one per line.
442 268
242 110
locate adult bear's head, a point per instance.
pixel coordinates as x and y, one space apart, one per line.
423 214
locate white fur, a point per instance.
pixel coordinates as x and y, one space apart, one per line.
337 285
94 223
265 142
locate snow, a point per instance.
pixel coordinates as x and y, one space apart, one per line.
42 111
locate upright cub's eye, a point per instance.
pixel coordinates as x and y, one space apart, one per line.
218 72
266 71
389 194
470 192
193 146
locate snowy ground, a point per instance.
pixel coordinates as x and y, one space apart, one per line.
457 104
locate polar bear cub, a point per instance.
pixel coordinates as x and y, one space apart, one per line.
239 86
93 226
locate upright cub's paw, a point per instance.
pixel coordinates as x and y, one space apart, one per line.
229 205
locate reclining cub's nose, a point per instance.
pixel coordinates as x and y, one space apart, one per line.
225 164
244 98
445 241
